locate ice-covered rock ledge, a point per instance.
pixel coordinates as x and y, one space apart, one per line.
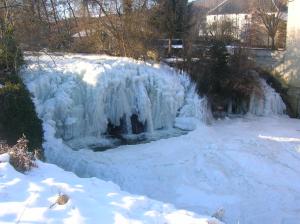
87 98
31 198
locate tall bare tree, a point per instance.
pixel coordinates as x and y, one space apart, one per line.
171 19
271 14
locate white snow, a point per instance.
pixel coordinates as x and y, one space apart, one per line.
185 123
247 168
250 167
31 198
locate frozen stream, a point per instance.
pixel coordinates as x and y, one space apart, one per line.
249 167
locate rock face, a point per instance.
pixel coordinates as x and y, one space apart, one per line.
88 97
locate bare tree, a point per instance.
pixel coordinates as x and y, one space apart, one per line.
223 30
123 25
118 27
271 14
171 19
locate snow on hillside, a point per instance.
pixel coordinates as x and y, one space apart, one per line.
31 198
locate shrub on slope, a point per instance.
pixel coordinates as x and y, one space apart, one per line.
17 114
20 158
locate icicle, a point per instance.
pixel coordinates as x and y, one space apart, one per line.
82 97
270 103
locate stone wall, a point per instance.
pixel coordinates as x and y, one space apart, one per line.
266 59
291 70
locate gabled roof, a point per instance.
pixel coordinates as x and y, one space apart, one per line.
241 6
206 4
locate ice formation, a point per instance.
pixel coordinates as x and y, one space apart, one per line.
270 103
224 165
87 97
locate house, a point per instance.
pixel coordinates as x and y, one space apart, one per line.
198 12
240 13
236 11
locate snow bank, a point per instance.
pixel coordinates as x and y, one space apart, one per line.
81 95
31 199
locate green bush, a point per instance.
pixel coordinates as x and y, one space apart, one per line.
11 57
225 79
17 114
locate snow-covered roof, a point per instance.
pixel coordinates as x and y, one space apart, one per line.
240 6
207 4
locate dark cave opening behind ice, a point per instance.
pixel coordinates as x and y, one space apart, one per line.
100 102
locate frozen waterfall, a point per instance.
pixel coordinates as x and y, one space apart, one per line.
270 103
86 98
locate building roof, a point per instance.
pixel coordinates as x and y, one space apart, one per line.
206 4
241 6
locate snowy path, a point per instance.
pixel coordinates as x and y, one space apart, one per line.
249 167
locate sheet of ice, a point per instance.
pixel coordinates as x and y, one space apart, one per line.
79 95
250 167
185 123
31 198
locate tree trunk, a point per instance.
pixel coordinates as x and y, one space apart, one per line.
75 19
169 46
55 15
273 47
46 13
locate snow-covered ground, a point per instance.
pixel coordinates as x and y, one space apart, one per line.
31 199
249 167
